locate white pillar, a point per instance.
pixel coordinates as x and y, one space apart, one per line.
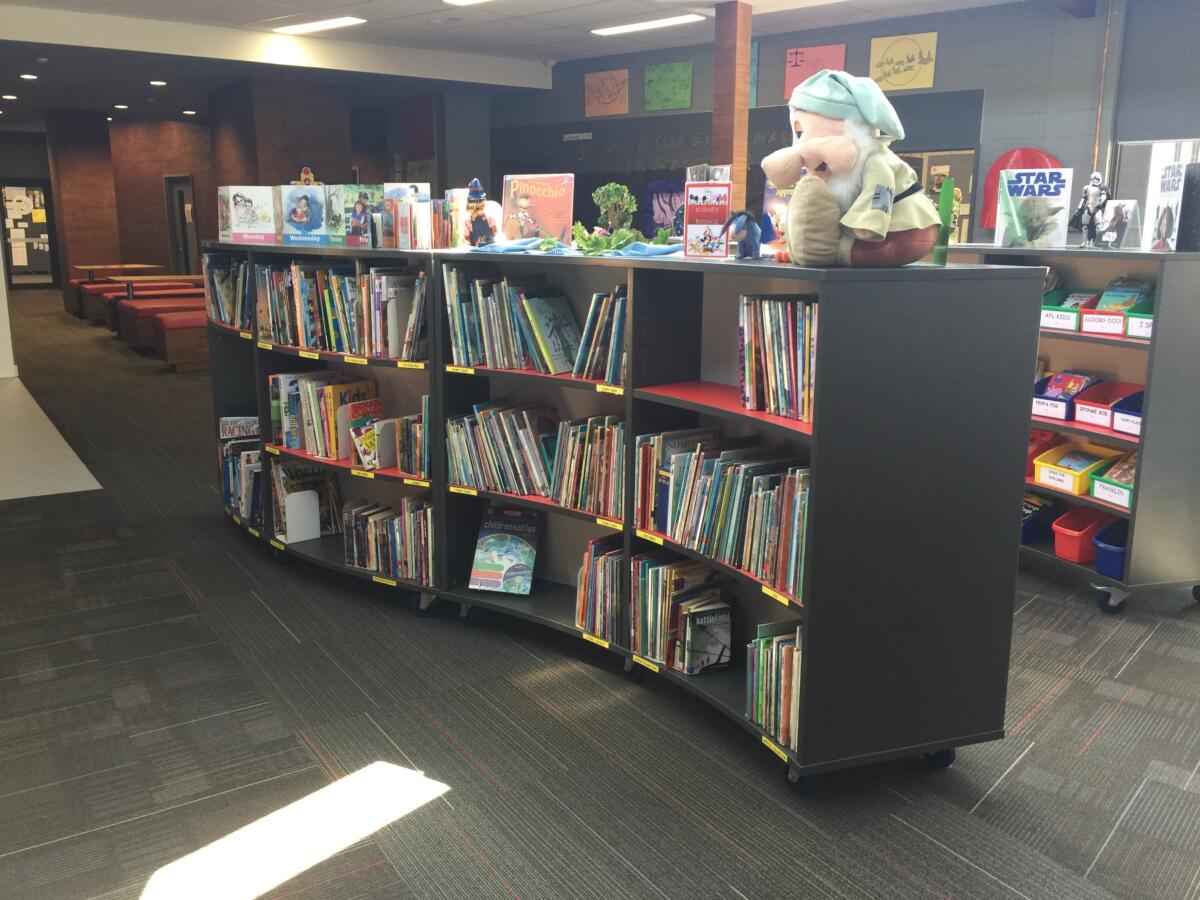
8 366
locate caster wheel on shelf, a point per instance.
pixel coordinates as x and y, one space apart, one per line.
939 759
422 604
804 785
633 673
1108 603
1196 592
472 615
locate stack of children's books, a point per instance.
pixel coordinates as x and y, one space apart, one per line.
662 586
394 543
226 289
597 597
241 466
778 355
773 680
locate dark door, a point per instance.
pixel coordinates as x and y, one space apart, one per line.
27 233
181 224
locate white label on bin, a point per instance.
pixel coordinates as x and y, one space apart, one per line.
1140 328
1127 423
1062 320
1094 415
1051 409
1110 493
1054 478
1103 323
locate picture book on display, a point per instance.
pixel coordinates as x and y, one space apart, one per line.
775 207
313 214
705 209
1033 208
362 201
247 214
537 206
1065 385
505 551
1164 197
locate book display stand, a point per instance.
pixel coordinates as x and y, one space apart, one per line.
1161 547
916 452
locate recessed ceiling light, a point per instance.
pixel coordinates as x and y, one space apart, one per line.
28 77
464 2
43 59
8 97
189 112
108 118
158 84
646 26
120 106
322 25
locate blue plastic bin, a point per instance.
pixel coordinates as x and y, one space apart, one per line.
1111 544
1038 526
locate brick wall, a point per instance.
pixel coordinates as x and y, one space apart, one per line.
231 123
299 122
143 153
81 175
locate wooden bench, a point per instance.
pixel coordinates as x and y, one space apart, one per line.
112 301
93 297
136 317
181 339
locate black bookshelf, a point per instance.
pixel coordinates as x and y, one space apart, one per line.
905 608
1165 517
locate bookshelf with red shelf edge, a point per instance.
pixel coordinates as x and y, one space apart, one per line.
1079 499
1076 427
388 362
536 501
243 333
564 378
719 399
770 590
389 474
1117 339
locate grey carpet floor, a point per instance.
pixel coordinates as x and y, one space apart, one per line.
163 682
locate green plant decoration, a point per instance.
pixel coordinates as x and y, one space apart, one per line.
616 205
600 241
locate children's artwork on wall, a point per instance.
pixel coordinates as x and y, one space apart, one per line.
606 93
801 62
668 85
904 62
660 200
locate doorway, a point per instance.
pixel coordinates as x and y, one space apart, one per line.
181 225
27 233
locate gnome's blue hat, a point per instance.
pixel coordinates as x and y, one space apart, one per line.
475 190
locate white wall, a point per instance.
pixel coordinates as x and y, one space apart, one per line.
8 366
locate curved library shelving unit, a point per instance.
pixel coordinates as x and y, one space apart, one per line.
908 567
1165 512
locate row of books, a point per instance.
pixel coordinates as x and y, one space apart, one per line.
598 587
778 355
773 680
525 449
505 324
669 595
225 289
394 543
241 466
380 313
727 498
305 501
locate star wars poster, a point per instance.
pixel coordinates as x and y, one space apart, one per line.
1034 207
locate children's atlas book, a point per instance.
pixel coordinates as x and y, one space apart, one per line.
505 551
1034 207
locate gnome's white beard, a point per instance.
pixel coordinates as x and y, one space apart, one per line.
847 186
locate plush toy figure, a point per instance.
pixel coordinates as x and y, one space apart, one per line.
481 226
744 231
856 203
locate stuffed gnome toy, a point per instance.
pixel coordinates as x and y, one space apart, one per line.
856 203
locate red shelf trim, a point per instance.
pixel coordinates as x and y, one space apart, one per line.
539 500
726 398
1085 426
392 472
1085 498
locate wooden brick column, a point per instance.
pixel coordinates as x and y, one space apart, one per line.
731 92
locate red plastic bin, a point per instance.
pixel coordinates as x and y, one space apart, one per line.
1074 533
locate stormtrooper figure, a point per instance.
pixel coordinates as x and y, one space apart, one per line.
1091 209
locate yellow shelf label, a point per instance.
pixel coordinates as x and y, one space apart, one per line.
362 473
255 532
609 523
278 545
379 579
642 661
610 389
647 536
272 450
592 639
310 354
775 748
405 364
416 482
775 595
470 492
237 520
460 370
356 360
244 335
265 345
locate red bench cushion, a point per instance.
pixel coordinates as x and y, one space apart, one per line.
107 287
174 321
143 308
